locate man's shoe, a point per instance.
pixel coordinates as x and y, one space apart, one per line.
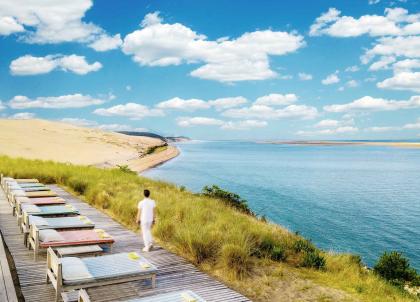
146 249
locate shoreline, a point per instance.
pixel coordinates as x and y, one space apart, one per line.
148 162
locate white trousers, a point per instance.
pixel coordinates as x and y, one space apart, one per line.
146 230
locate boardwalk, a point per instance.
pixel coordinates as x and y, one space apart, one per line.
174 272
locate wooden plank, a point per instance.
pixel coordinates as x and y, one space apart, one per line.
174 274
7 288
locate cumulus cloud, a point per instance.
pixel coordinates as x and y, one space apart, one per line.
402 81
352 83
383 63
327 123
415 125
276 99
394 47
266 112
29 65
105 42
181 104
133 111
244 125
54 102
338 130
9 25
224 60
331 79
368 103
22 116
229 102
353 68
304 76
395 22
52 21
381 128
198 121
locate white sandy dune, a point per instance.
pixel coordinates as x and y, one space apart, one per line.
47 140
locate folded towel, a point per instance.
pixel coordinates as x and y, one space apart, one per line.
104 235
186 297
82 217
99 231
87 221
68 206
133 256
144 265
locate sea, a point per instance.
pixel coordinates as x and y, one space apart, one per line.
352 198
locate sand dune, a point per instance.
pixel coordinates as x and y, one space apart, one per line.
47 140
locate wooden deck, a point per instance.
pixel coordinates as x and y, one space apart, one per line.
174 272
7 288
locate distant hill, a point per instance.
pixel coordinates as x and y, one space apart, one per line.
168 139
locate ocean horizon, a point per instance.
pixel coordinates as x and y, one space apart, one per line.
354 198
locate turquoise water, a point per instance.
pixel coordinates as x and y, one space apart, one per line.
358 199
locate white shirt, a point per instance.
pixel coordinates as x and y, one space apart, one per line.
146 206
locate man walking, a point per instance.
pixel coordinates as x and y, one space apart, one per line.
146 219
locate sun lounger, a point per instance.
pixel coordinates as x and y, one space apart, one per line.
178 296
70 273
57 223
45 238
44 211
6 179
19 193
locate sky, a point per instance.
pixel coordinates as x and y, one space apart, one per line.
216 69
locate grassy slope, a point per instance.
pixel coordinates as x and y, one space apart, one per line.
218 239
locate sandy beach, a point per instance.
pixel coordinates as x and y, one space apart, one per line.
47 140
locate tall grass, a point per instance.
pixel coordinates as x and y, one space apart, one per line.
237 248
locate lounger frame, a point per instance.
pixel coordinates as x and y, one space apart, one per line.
35 242
55 276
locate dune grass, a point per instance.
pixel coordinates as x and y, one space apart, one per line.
246 253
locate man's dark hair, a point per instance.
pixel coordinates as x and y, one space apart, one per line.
146 193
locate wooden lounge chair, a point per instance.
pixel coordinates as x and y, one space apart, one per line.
39 201
71 273
56 223
43 239
178 296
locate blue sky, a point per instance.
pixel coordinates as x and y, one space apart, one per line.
216 69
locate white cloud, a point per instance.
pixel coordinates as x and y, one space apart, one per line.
396 21
331 79
54 102
2 107
352 83
79 122
371 2
225 60
394 46
9 25
133 111
29 65
383 63
52 21
226 103
406 65
128 88
105 42
22 116
327 123
333 131
304 76
181 104
244 125
198 121
415 125
353 68
265 112
276 99
402 81
382 128
368 103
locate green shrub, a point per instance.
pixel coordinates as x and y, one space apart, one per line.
303 245
313 259
231 199
395 268
79 185
278 253
126 169
237 259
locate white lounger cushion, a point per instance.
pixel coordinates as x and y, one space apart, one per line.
50 235
74 269
37 220
31 208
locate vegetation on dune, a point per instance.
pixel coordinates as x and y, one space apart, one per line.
248 254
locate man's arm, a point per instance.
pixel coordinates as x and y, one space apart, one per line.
154 216
138 216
